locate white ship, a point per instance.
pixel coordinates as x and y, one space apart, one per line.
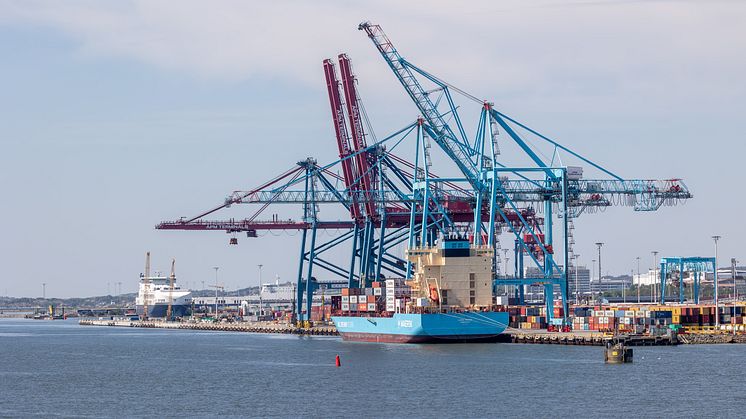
157 292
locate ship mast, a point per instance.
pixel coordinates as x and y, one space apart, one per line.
171 290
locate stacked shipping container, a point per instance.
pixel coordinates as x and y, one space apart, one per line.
388 296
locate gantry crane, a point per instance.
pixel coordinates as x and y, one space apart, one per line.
479 164
393 200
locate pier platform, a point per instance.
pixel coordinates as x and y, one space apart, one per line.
585 338
253 327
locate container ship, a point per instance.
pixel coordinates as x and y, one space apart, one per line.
448 299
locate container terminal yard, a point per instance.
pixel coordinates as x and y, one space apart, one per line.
505 193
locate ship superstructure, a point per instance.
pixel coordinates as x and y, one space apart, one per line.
454 274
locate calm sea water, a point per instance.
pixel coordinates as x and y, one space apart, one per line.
60 369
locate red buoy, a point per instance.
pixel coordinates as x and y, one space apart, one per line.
337 362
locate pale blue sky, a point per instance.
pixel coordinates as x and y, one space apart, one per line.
114 116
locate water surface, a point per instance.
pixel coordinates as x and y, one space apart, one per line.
60 369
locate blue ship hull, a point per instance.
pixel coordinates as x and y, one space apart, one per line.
423 328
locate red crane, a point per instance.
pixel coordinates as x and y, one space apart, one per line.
366 173
343 139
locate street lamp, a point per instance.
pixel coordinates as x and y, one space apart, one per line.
638 280
715 280
624 286
576 256
600 275
506 258
593 274
505 262
655 276
216 290
733 262
261 309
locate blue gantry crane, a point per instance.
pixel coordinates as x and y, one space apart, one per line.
697 265
393 200
484 170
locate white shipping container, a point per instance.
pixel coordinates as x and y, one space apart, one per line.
371 306
629 314
377 291
353 299
345 298
345 307
609 313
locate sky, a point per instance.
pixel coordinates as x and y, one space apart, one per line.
117 115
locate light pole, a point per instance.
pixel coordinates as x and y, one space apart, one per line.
593 274
506 258
715 280
505 262
216 290
655 276
261 303
600 274
638 280
733 262
575 256
624 286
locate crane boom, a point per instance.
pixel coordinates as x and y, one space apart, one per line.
456 149
343 139
365 171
